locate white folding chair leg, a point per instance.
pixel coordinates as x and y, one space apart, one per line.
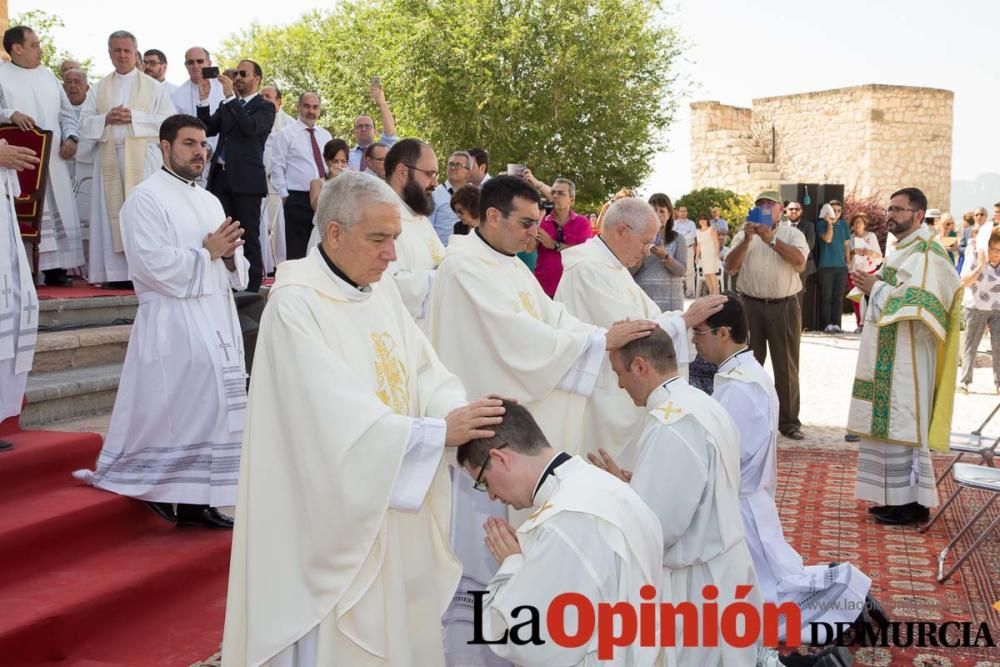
943 577
927 526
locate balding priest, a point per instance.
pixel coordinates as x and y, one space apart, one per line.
598 288
341 554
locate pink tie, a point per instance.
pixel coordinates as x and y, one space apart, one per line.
317 155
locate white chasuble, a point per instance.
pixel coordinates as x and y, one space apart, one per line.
18 303
340 551
597 288
904 386
124 156
37 93
418 253
686 468
584 516
177 424
828 594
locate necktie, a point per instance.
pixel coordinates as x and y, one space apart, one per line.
363 161
317 155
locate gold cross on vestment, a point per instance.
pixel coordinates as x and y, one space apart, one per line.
544 507
668 410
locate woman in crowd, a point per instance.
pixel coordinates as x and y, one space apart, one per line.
335 154
707 253
465 204
947 236
865 255
661 273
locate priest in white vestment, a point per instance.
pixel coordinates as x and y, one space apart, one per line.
579 515
904 387
598 288
19 302
686 467
825 594
340 554
30 96
272 218
494 327
81 169
411 171
122 115
177 424
189 94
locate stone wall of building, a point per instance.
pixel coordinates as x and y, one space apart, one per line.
871 138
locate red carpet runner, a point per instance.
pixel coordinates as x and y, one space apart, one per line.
91 578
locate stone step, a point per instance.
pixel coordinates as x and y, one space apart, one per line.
70 394
758 168
63 314
79 348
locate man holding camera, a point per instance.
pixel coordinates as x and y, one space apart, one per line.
197 60
242 122
769 258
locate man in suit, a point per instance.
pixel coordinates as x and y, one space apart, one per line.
243 122
807 297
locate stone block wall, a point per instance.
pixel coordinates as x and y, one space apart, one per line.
871 138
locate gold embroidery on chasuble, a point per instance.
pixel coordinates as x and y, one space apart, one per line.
528 305
436 254
392 380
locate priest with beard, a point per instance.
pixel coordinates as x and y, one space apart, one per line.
411 170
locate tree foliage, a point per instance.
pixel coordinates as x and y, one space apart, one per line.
45 26
577 88
734 206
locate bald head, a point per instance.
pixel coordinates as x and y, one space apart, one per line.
630 227
195 59
68 65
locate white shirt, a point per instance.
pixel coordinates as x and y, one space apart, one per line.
171 88
687 229
358 152
293 165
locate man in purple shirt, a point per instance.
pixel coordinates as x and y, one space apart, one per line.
560 229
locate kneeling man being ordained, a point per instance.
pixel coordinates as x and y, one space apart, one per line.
686 467
340 553
836 594
588 533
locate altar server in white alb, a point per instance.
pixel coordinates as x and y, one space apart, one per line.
122 114
588 533
825 594
30 96
177 424
494 327
18 301
340 554
598 288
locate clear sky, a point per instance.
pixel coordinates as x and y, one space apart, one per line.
737 50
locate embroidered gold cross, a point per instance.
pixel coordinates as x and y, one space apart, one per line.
667 410
544 507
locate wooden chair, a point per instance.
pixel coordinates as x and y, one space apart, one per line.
34 182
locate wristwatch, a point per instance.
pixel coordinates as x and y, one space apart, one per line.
774 242
556 247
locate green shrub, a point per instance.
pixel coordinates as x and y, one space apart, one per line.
734 206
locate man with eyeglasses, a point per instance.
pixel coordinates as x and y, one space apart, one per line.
189 93
443 219
375 160
561 229
154 64
904 385
493 326
598 288
411 170
243 122
578 514
364 128
122 116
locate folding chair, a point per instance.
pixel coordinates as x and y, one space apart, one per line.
962 444
980 477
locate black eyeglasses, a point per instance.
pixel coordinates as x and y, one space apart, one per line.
240 73
559 234
480 484
899 209
195 61
431 173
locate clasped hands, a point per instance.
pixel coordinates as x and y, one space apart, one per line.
119 115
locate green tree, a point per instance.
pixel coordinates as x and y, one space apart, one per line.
45 26
577 88
734 205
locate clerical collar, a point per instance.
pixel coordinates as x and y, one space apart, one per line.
556 461
337 272
492 247
671 381
734 355
179 177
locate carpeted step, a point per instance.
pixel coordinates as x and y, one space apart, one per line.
44 460
167 583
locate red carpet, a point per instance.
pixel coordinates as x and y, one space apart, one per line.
825 523
79 290
89 577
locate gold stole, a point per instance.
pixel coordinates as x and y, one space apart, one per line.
140 99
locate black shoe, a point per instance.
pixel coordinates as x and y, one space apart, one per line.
851 437
836 656
163 510
200 515
901 515
876 613
57 278
879 509
6 446
119 284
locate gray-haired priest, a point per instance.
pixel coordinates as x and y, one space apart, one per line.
340 553
177 424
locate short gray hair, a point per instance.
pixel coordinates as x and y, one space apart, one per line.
123 34
344 197
630 211
465 154
569 183
81 72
